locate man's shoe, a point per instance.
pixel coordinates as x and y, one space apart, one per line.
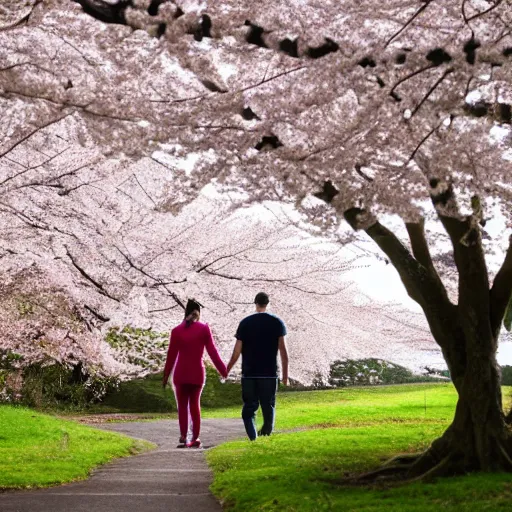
182 443
195 444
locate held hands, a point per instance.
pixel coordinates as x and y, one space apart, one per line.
223 376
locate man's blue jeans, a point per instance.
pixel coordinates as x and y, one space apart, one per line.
256 392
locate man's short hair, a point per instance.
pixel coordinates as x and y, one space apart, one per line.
261 299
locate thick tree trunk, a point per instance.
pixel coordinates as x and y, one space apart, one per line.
478 438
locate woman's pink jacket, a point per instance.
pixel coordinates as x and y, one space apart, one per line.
186 349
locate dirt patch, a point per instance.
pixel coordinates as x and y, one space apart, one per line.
96 419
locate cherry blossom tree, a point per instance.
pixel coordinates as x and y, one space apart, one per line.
365 111
98 231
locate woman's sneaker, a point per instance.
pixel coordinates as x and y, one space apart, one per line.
195 444
182 443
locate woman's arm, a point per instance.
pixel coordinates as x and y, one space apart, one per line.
172 354
214 354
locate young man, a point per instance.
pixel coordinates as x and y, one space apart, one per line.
258 338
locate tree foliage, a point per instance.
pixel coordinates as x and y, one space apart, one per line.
372 112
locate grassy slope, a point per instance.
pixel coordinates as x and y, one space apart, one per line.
355 406
296 409
147 396
39 450
301 471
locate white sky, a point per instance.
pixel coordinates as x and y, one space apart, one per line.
382 283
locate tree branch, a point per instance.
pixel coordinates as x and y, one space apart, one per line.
23 18
474 298
422 141
431 90
33 223
99 316
465 236
483 13
409 21
158 281
407 267
96 284
422 286
105 11
33 132
409 76
501 291
274 77
420 250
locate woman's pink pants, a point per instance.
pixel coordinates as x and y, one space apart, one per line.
188 397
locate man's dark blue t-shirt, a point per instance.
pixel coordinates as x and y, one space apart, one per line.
260 335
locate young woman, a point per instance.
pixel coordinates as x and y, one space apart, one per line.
186 348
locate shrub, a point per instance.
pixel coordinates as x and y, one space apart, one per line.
58 386
218 394
364 372
144 348
147 395
506 375
10 376
52 385
140 395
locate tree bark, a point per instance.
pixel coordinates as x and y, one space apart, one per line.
478 438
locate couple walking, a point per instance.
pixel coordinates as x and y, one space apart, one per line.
259 338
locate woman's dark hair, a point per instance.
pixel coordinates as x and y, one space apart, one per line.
192 311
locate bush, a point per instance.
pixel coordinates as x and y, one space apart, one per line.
147 395
52 386
58 386
506 375
144 348
140 395
364 372
10 376
217 394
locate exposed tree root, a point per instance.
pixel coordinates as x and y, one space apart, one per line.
505 456
425 463
404 459
451 465
387 472
444 458
413 468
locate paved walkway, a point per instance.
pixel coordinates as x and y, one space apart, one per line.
167 479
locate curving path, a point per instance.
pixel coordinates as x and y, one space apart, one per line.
167 479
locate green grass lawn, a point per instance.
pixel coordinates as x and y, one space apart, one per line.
357 406
37 450
345 432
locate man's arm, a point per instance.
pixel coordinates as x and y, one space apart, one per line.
284 359
236 354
